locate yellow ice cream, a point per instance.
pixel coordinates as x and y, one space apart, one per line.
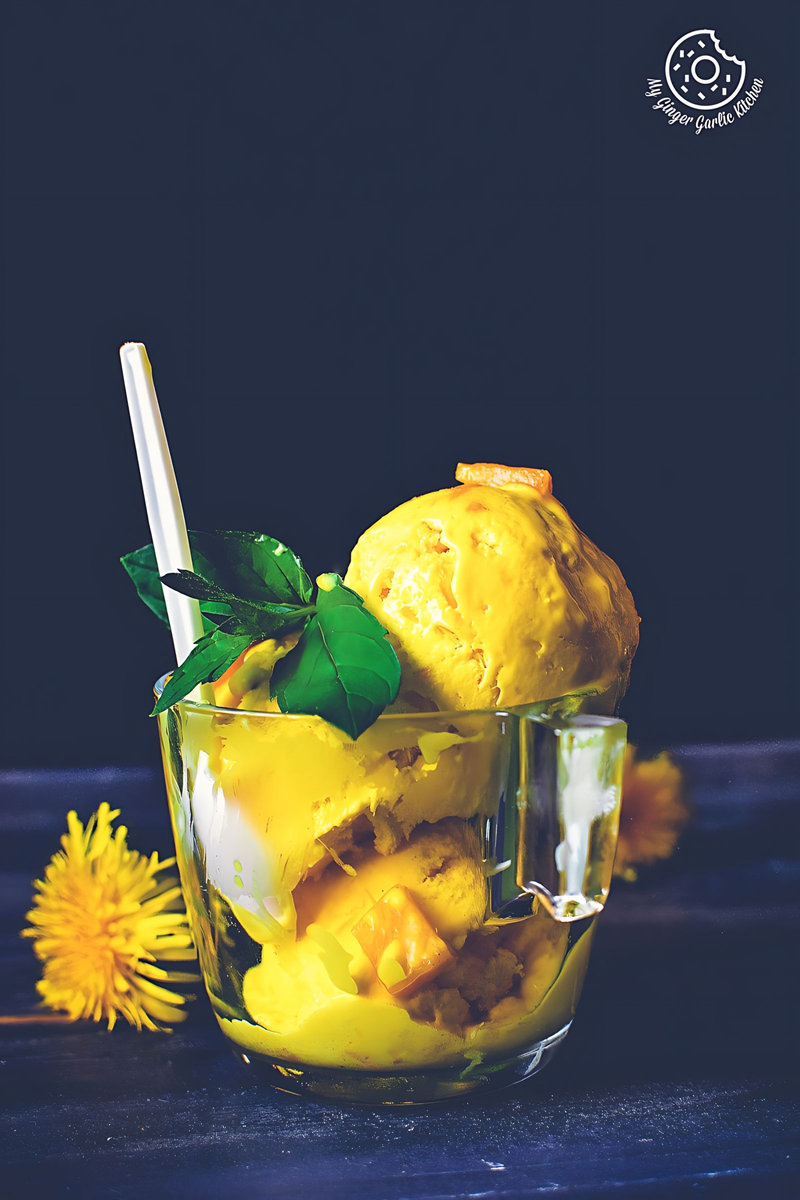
332 1027
311 794
493 597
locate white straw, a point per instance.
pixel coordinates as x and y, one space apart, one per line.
161 496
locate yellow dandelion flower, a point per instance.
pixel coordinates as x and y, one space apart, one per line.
102 921
654 812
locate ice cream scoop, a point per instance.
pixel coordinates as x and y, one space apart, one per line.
493 597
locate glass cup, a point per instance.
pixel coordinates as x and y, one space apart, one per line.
399 919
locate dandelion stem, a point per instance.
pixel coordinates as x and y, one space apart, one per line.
36 1019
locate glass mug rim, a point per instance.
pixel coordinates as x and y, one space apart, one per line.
552 720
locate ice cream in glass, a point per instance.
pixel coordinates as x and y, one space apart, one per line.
407 915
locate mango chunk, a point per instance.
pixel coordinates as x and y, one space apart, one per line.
400 942
495 474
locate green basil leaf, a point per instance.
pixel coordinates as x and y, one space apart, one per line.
253 566
250 587
142 568
343 667
209 659
259 618
216 610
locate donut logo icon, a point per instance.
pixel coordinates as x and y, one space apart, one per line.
700 74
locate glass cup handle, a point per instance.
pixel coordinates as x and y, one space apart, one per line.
569 800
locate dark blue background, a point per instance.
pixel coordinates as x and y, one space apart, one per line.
363 241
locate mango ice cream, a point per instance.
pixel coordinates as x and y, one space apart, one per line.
359 906
494 598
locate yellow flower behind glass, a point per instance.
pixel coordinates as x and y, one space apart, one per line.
103 918
654 812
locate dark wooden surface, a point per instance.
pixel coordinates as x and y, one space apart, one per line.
678 1078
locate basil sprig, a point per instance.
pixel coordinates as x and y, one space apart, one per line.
251 587
343 668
